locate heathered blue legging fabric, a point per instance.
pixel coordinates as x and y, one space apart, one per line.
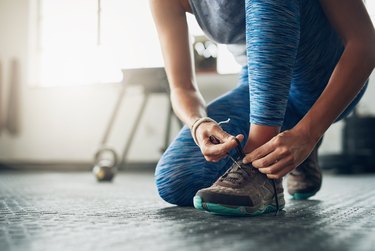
182 170
292 51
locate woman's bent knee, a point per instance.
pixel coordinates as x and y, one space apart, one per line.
173 189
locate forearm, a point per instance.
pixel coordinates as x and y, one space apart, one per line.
272 38
170 20
355 65
290 148
349 76
188 105
271 51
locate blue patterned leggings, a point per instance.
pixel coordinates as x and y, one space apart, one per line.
182 170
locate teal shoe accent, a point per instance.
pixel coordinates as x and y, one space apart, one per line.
229 211
197 201
302 196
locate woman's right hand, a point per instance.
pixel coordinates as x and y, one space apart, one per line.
215 151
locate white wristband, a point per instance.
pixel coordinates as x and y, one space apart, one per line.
195 125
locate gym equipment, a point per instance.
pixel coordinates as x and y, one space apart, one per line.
152 80
12 123
105 168
358 144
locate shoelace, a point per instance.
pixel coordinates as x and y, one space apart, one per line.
241 155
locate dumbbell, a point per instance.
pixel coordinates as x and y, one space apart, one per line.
105 166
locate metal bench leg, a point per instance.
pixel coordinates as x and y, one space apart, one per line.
133 131
168 128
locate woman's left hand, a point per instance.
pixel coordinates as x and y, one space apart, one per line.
281 154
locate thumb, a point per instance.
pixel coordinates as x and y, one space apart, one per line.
240 137
227 140
223 136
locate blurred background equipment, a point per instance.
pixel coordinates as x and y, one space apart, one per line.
10 98
105 164
12 123
151 81
205 54
358 147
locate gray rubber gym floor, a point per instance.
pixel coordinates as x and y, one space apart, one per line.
70 211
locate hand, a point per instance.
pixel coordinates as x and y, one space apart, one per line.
281 154
215 151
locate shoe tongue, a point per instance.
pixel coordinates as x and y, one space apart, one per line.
236 173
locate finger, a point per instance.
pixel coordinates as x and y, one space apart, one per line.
280 174
219 143
259 152
227 141
276 167
215 140
270 159
213 150
233 142
213 157
209 159
221 134
240 137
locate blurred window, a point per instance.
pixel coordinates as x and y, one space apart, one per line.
90 41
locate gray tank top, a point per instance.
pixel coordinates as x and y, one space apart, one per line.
223 21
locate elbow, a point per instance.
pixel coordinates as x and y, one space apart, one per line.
365 48
370 50
372 55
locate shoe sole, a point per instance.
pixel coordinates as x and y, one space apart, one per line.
232 210
302 196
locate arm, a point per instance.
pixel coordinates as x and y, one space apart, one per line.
172 28
272 38
290 148
352 22
187 102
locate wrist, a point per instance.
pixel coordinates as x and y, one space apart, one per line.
312 134
259 135
196 124
193 121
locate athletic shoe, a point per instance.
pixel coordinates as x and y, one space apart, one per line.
241 191
306 180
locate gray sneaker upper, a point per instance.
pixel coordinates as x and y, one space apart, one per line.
242 185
